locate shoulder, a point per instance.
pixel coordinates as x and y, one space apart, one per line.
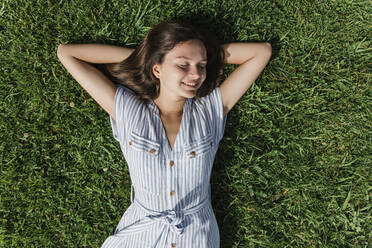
210 97
209 103
212 100
124 90
128 99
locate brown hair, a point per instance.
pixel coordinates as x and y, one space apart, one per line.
135 72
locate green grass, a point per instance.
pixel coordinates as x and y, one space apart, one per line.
293 168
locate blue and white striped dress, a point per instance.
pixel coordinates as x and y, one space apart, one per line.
172 203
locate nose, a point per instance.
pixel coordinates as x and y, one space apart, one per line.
194 73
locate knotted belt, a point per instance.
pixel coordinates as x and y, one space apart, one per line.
171 220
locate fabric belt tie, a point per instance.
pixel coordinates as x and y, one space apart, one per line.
171 219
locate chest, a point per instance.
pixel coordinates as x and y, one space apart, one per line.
169 136
171 128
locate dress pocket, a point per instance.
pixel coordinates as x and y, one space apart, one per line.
144 157
200 147
143 144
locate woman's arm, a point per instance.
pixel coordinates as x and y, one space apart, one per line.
95 53
253 58
238 53
76 58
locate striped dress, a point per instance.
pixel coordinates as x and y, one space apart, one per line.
171 206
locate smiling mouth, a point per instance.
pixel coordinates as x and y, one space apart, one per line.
193 85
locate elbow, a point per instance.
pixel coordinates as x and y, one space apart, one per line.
59 49
268 48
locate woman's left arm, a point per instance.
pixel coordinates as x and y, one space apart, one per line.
253 58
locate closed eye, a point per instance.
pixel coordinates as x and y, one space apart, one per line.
185 66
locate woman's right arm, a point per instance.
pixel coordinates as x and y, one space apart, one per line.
95 53
76 58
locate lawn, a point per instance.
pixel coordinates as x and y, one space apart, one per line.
293 168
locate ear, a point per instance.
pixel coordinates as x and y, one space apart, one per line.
155 70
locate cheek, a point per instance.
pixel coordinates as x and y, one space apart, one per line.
174 76
178 74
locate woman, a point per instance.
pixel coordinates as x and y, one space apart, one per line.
169 116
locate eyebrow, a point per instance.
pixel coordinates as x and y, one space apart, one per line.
184 57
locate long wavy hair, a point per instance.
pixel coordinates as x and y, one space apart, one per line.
135 72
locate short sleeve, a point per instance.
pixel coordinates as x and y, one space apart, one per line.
215 105
122 97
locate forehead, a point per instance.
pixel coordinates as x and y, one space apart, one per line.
193 49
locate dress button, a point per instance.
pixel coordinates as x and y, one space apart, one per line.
130 143
211 144
172 192
171 163
192 154
173 244
152 151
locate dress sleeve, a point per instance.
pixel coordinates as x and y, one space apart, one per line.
119 126
215 105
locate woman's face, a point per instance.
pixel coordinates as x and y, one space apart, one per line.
185 63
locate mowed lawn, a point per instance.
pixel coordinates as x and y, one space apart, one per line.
293 168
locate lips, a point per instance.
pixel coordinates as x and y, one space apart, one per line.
191 83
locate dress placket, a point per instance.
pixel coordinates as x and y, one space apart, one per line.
172 155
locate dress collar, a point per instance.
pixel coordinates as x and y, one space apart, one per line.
184 130
154 108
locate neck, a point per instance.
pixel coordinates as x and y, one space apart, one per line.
169 108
